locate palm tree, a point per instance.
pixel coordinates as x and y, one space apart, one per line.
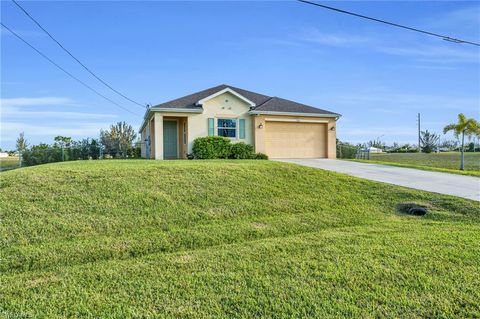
463 127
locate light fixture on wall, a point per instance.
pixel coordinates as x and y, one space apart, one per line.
260 125
332 128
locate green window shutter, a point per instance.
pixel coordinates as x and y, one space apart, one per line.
211 129
242 128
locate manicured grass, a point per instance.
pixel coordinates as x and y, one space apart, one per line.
244 239
441 162
7 163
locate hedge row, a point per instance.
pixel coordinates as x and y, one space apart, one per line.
213 147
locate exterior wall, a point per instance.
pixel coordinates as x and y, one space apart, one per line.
151 130
218 107
259 133
157 150
143 145
332 139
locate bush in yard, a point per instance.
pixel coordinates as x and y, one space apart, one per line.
429 141
211 147
41 154
242 151
261 156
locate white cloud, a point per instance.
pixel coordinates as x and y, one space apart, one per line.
439 52
314 35
36 101
15 112
386 101
41 118
10 130
436 54
432 67
22 108
467 17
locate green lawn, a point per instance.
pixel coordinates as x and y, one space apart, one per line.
241 239
7 163
443 162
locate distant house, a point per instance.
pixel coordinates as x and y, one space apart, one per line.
372 149
3 154
277 127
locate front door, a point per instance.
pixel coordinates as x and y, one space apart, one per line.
170 139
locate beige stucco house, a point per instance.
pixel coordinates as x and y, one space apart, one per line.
277 127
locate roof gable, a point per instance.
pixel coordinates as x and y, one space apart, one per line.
190 101
226 90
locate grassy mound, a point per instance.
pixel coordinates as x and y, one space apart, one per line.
123 239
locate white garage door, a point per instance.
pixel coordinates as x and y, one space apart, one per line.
295 140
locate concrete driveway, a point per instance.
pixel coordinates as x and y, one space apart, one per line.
443 183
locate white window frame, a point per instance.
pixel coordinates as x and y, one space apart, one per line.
227 128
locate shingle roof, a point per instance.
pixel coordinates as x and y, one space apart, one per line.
263 103
276 104
189 101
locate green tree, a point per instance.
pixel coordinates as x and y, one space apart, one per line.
63 142
118 139
21 145
464 127
428 141
376 143
21 142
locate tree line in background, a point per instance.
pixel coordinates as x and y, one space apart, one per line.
116 142
429 142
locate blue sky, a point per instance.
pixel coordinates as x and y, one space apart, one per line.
376 76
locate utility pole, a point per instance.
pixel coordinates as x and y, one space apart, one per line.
419 149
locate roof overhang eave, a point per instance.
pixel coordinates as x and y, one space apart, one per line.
335 115
154 109
175 110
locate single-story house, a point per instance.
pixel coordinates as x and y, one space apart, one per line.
277 127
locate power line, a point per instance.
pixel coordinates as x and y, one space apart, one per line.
65 71
444 37
70 54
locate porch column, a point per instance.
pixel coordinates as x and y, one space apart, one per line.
158 123
192 130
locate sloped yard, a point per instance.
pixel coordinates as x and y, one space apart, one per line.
125 239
